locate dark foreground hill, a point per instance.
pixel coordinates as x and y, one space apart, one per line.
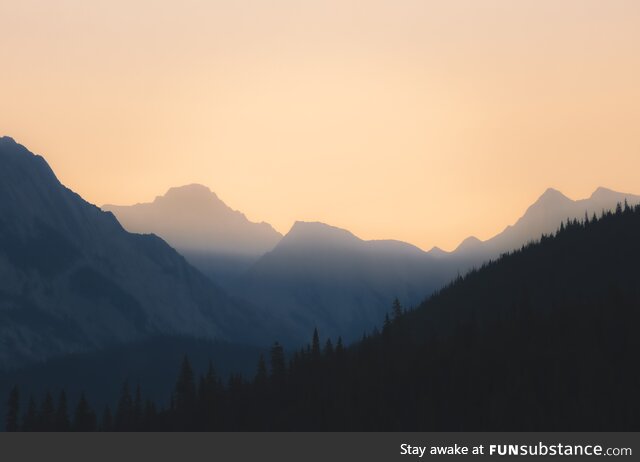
543 339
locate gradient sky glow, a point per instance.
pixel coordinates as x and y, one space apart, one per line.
424 121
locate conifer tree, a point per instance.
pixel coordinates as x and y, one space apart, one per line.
184 395
396 309
386 325
62 423
208 386
328 349
278 368
150 416
261 374
13 410
315 345
339 347
84 419
137 408
46 417
124 411
30 420
107 420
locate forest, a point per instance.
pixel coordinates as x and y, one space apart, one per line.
542 339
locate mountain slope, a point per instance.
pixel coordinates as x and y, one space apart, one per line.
220 241
543 339
542 217
72 279
325 277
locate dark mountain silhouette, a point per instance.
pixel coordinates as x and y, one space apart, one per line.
323 276
73 279
220 241
544 339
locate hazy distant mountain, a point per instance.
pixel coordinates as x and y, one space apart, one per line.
72 279
212 236
544 339
543 217
325 277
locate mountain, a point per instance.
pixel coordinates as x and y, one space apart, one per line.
543 217
326 277
543 339
72 279
319 275
215 238
323 276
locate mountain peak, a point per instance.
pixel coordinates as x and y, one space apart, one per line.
437 252
469 243
192 218
317 228
602 192
551 198
552 193
54 242
189 192
193 187
315 233
7 139
11 148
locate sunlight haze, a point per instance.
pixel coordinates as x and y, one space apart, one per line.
422 121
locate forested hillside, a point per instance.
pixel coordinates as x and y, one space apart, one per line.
545 338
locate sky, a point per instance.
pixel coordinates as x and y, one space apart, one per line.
423 121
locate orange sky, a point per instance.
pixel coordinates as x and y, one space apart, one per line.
416 120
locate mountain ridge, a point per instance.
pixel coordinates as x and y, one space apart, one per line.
542 217
72 279
192 218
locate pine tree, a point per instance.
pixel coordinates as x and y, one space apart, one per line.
137 409
84 419
208 386
150 416
13 409
278 368
30 419
184 394
328 349
396 309
315 345
386 325
62 423
107 420
260 379
124 411
46 418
